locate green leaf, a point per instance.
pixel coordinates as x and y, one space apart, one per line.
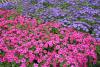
39 21
7 64
1 16
9 25
10 47
74 41
14 64
64 5
61 64
34 2
1 65
90 65
19 9
50 49
61 36
30 64
20 56
27 59
23 27
98 49
11 18
40 10
95 7
51 65
48 4
85 20
85 4
32 48
2 53
55 30
97 64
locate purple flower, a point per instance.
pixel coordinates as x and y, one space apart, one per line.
96 29
54 1
57 12
80 25
8 5
26 6
98 39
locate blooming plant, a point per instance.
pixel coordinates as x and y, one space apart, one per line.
26 43
84 12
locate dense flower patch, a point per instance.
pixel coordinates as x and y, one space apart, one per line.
25 42
84 12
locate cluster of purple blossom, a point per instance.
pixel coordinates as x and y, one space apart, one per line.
27 42
8 5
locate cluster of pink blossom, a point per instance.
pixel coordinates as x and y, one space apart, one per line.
25 41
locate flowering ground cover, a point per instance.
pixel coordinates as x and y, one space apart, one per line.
83 15
49 33
27 42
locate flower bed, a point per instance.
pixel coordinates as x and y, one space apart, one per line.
85 12
25 42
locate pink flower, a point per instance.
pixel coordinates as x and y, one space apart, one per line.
61 60
58 47
64 65
46 45
35 65
21 20
23 60
44 51
40 60
57 56
50 43
38 50
23 65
